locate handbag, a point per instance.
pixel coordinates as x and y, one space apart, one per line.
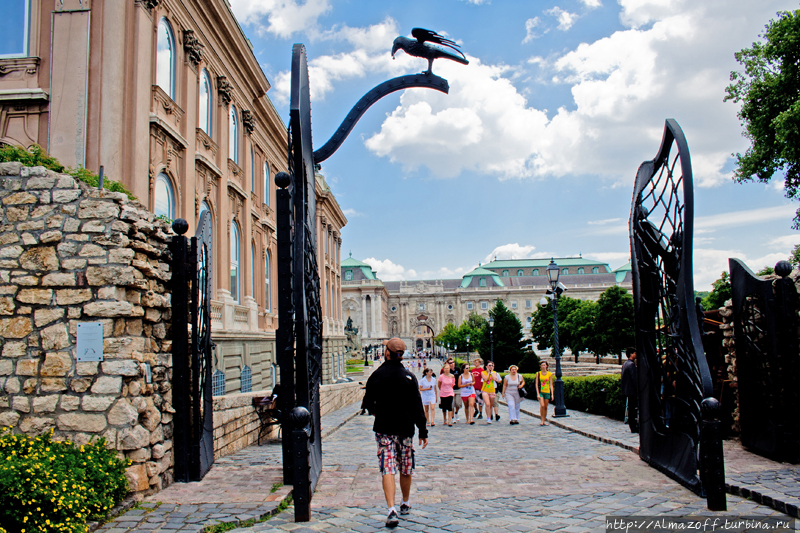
522 392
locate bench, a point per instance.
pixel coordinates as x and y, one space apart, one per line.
268 414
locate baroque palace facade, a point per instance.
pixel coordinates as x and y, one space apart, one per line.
416 311
169 98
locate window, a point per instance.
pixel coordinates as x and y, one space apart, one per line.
449 307
469 306
528 320
513 304
218 383
14 29
484 305
505 273
246 380
274 376
348 275
394 308
527 304
235 261
164 204
165 58
565 271
421 307
580 270
204 101
266 183
253 268
233 132
252 170
595 270
535 272
520 272
482 282
267 276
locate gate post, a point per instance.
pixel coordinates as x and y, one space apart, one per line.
301 490
180 351
712 464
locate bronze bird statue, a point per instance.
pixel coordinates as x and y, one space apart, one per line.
422 47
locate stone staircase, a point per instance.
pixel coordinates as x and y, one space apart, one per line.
585 366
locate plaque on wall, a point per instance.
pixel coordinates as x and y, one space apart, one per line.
90 341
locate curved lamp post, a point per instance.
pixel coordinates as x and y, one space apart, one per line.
491 338
555 291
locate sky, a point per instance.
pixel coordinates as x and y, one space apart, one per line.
534 151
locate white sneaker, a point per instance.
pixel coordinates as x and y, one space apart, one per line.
488 420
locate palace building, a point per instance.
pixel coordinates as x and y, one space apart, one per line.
168 97
416 311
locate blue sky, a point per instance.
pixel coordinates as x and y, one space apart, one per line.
534 151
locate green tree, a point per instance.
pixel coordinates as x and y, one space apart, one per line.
794 258
448 335
478 330
766 271
614 328
509 345
581 327
542 323
719 294
769 91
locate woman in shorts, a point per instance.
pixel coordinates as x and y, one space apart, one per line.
427 389
490 379
465 384
544 387
446 382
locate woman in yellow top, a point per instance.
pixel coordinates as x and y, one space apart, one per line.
490 379
544 386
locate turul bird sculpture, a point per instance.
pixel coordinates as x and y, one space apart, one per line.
422 47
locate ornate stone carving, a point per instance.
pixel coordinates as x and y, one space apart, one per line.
150 4
225 90
248 121
170 107
24 65
192 47
206 141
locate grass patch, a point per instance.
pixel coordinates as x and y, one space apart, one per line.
275 487
221 528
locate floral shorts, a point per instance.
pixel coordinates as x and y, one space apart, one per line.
393 449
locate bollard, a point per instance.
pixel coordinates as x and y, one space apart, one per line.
712 460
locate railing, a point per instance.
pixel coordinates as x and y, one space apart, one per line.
241 314
216 314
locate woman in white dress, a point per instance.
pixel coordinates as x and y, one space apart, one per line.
427 389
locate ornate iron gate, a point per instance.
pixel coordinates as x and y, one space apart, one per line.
193 423
675 387
767 361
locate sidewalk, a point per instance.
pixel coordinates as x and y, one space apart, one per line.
748 475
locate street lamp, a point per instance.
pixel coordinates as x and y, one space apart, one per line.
491 338
554 292
467 349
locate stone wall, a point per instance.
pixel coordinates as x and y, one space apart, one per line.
71 254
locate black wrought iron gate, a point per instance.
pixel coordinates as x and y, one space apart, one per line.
675 387
193 423
767 360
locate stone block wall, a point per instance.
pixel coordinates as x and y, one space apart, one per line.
333 352
71 254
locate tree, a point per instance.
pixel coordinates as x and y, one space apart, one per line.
542 323
769 91
508 339
794 258
766 271
475 326
582 328
719 294
614 329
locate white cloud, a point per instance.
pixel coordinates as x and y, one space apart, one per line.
389 271
530 26
786 242
446 273
613 259
591 4
745 218
709 263
283 17
510 251
565 18
603 222
350 212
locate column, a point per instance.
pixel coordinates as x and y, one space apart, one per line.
364 332
374 331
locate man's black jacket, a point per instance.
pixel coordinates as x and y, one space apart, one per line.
629 381
392 396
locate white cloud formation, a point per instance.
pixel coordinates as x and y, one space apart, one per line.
786 242
350 212
591 4
565 18
744 218
530 25
510 251
279 17
709 263
389 271
613 259
603 222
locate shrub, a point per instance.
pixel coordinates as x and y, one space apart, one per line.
48 485
598 395
37 157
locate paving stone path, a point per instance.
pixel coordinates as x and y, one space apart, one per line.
483 477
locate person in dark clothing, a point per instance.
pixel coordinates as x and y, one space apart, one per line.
392 396
629 387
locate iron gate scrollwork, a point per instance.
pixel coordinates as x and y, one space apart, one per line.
767 361
675 386
193 423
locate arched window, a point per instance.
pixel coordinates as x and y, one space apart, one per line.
252 170
203 208
348 275
520 272
505 273
266 183
233 133
165 58
580 270
246 380
535 272
218 383
164 204
268 293
253 268
235 255
565 271
595 270
205 103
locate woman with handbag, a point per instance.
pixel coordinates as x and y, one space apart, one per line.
513 392
446 382
544 386
467 390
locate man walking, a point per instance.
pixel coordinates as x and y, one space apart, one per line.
629 387
392 396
